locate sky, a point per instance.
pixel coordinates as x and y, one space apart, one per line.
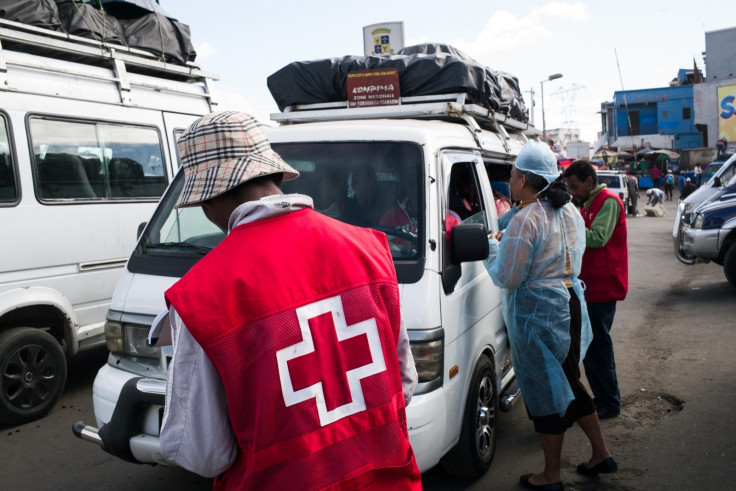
598 47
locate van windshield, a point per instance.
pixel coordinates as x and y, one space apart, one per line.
368 184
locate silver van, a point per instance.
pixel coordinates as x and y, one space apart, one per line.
686 207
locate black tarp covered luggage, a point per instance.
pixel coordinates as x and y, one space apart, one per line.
85 20
146 26
507 85
512 102
309 82
38 13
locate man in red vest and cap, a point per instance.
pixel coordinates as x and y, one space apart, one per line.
291 365
605 272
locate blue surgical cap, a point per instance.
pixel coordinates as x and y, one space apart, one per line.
537 158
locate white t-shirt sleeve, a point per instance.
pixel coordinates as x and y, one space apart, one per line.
195 432
406 364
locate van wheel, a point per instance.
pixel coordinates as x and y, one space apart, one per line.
472 455
729 264
32 374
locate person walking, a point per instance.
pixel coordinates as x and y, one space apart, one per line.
669 183
289 371
605 272
536 260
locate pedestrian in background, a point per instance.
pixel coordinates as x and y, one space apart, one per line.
257 389
688 188
605 272
655 196
698 174
536 260
681 182
656 174
632 184
669 183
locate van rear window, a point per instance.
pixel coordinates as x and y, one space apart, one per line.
93 161
8 186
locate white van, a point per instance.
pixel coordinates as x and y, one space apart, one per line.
355 163
87 148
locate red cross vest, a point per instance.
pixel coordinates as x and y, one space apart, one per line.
300 315
605 271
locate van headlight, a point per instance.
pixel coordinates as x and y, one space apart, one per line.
427 359
128 338
698 223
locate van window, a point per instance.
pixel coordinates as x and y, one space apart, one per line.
96 161
370 184
8 187
463 197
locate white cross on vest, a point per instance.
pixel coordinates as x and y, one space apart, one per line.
330 361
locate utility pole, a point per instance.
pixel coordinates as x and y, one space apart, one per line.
531 106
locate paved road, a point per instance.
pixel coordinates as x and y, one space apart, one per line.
674 338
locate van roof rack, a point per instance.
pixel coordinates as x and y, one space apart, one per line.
15 36
453 107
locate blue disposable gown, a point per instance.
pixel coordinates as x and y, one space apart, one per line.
529 264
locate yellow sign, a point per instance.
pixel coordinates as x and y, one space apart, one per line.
727 112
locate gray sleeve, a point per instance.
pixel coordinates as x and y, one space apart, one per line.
406 364
195 432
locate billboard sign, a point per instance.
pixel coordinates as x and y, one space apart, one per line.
727 112
383 39
373 88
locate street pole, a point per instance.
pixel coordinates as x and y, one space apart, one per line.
531 111
541 84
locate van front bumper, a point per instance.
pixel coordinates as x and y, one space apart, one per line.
128 410
701 243
426 419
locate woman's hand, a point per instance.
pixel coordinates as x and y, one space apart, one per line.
496 236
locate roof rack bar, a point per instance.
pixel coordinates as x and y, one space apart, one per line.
432 106
46 38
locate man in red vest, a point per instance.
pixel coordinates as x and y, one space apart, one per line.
291 365
605 272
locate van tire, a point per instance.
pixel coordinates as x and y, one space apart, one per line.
32 374
729 264
473 454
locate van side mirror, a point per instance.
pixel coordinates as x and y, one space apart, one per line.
141 227
716 182
469 242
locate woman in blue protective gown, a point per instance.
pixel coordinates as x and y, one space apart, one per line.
536 260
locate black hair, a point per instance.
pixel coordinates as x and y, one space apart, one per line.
556 192
276 178
582 169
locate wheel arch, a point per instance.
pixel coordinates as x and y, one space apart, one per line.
41 308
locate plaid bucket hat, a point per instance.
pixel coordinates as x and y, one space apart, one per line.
223 150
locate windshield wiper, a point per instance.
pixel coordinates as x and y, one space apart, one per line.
183 245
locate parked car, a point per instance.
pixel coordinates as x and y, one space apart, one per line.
712 236
724 172
616 182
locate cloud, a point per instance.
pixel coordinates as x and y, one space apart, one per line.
204 50
505 31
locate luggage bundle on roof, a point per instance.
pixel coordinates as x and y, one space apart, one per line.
139 24
425 69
